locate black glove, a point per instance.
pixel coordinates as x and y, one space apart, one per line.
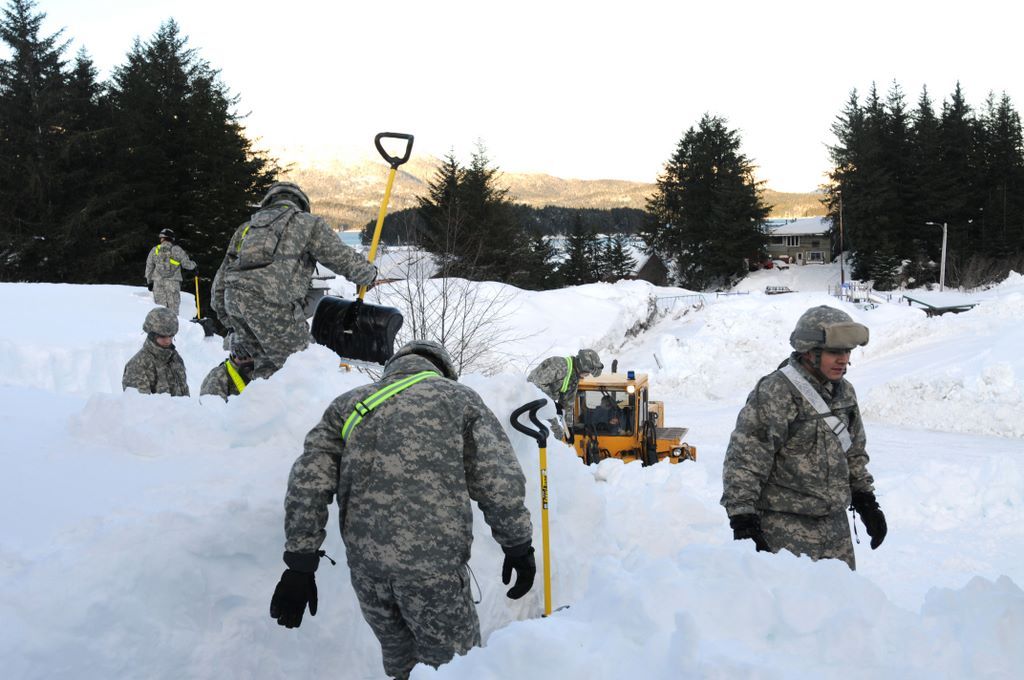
749 526
295 590
519 558
874 521
149 285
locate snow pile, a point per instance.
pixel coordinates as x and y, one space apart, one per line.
143 534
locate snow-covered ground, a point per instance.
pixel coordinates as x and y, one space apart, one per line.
142 535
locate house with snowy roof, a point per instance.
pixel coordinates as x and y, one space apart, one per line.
805 240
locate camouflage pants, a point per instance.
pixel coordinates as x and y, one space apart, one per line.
424 620
273 332
819 538
167 292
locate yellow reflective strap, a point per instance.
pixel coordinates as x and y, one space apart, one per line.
238 248
235 376
158 248
568 374
364 407
174 262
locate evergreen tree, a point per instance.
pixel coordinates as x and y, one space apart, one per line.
469 223
541 264
1001 220
616 260
707 212
32 86
581 264
182 160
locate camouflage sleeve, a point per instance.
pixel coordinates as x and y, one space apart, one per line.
493 476
312 485
857 456
137 374
549 376
762 428
179 254
326 247
217 293
150 264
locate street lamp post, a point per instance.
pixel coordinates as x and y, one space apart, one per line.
942 262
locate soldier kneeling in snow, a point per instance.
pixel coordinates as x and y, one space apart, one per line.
157 368
405 456
796 457
230 377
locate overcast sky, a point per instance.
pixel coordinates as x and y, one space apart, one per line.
575 89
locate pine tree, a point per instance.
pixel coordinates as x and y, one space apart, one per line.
581 264
616 260
470 224
32 85
707 212
1001 222
182 160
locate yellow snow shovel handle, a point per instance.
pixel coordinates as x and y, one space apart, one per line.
541 435
394 162
198 313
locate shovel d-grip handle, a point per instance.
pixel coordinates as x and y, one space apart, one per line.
393 161
541 433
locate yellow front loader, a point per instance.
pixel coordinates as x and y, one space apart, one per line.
613 417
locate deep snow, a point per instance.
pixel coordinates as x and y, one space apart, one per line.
142 534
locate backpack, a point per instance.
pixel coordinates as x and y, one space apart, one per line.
257 246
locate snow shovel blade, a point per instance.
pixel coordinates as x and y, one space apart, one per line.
356 330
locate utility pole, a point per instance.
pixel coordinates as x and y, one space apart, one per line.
842 275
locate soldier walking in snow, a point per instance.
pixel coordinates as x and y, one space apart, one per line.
157 368
797 457
229 377
163 271
405 456
559 377
260 288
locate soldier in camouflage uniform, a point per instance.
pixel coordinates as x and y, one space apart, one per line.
230 377
559 377
157 368
260 288
797 454
163 271
404 469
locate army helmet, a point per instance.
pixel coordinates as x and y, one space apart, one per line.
825 327
167 234
286 191
434 352
588 361
161 321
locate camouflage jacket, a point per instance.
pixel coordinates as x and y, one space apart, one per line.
303 240
219 382
161 259
156 370
783 457
405 476
549 376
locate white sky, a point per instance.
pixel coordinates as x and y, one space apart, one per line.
576 89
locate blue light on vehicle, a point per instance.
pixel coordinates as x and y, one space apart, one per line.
630 375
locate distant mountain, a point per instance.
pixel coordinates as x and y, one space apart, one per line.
349 193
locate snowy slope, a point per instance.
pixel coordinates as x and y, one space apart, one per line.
143 534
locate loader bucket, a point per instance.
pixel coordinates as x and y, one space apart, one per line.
356 330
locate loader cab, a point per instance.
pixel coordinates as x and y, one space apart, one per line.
613 417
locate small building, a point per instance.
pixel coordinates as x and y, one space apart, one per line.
805 240
652 269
